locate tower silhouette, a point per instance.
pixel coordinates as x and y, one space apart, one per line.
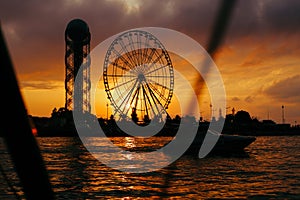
77 38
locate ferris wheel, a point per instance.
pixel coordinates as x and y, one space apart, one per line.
138 76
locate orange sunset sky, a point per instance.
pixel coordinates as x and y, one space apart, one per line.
259 59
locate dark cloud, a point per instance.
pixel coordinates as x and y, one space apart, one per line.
264 20
281 15
287 90
245 19
252 62
235 99
35 29
249 99
195 17
39 85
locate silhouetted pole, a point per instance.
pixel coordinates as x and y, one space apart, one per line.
282 109
106 111
21 144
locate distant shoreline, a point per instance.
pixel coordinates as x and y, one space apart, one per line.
162 133
62 125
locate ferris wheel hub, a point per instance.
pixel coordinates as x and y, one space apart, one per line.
141 77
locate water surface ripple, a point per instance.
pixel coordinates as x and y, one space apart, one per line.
271 170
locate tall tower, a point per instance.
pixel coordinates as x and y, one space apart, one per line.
77 38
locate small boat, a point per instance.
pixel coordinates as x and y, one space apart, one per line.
233 143
225 144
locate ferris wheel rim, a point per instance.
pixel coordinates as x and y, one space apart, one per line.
144 78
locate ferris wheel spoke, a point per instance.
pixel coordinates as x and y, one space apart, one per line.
137 97
139 49
132 48
157 59
154 98
118 66
121 75
145 102
144 55
123 58
136 92
122 94
158 84
127 53
159 68
158 76
145 50
127 97
149 58
122 84
157 92
146 97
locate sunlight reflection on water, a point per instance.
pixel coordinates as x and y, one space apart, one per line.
272 171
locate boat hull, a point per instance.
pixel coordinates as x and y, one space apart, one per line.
226 144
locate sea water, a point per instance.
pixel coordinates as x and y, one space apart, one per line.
270 170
